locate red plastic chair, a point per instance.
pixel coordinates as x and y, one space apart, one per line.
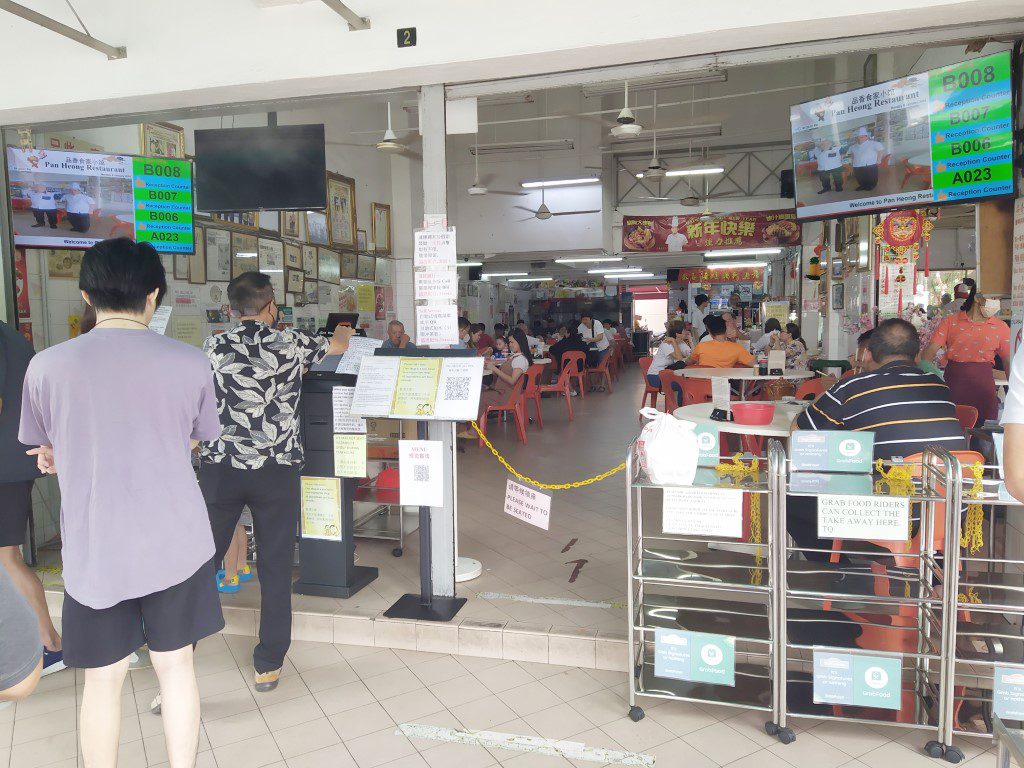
670 383
576 362
514 404
695 390
561 388
603 371
532 390
811 389
967 415
649 391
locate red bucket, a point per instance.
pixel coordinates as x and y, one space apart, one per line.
752 413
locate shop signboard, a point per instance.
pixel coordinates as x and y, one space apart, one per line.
832 451
1008 693
857 680
939 136
696 232
696 656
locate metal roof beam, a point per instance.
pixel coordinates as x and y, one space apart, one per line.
112 52
356 22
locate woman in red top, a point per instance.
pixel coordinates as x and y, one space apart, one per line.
972 338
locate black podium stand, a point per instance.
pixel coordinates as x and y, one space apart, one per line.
327 568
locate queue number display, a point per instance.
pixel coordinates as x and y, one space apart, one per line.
162 191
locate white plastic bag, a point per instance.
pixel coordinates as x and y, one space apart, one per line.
668 449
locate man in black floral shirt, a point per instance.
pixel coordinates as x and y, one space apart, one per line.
257 461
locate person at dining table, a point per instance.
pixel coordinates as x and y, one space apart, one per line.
671 354
479 339
790 342
719 351
772 329
733 329
506 373
972 338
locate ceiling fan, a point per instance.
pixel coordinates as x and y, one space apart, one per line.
655 170
544 213
477 188
626 120
691 201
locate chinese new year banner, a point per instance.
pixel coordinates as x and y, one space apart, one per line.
679 234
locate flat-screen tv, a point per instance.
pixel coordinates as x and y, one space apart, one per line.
941 136
69 199
280 168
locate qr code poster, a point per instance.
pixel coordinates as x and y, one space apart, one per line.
420 473
458 389
528 505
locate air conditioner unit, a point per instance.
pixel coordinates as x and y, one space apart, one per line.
522 147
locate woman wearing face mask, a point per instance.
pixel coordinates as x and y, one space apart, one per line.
972 338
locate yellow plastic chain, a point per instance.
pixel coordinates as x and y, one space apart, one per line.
973 536
738 470
900 481
537 483
972 596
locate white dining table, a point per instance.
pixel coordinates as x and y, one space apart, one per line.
742 375
785 412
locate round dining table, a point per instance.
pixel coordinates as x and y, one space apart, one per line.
742 375
785 412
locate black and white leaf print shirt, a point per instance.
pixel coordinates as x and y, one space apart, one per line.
257 373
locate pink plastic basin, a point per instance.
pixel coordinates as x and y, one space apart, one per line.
753 414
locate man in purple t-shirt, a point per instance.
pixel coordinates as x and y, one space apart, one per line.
115 414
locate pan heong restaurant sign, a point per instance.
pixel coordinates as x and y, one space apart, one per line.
699 232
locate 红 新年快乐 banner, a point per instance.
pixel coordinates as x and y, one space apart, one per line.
699 232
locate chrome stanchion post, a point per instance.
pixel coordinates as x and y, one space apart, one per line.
630 607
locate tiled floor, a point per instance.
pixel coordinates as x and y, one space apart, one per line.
339 707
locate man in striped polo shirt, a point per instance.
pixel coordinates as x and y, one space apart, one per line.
906 408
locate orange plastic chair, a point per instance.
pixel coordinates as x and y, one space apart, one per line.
811 389
695 390
649 391
561 388
603 371
576 362
531 392
670 384
514 404
967 416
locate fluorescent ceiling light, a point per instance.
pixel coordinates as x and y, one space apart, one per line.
668 134
738 264
697 78
629 275
588 259
506 274
702 171
605 270
505 99
470 264
547 145
742 252
530 279
538 183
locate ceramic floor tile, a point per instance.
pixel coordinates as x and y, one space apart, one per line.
529 698
343 698
459 690
335 756
504 677
228 730
40 726
392 683
292 712
329 676
412 706
809 751
379 748
855 740
33 754
251 753
306 737
359 722
558 722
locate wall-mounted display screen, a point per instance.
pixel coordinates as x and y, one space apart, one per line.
940 136
76 199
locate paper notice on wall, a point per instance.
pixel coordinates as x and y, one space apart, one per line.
190 329
365 297
437 325
350 455
437 285
344 421
420 473
777 309
703 512
869 518
720 392
458 390
375 387
434 248
321 508
185 295
528 505
160 319
358 348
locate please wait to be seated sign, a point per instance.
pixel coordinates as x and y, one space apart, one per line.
875 518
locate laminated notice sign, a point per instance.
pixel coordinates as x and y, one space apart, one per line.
416 388
321 508
1008 693
344 421
420 473
528 505
434 248
375 387
697 656
458 391
437 325
867 518
350 455
438 285
857 680
703 512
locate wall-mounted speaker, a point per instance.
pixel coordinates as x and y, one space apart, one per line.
787 188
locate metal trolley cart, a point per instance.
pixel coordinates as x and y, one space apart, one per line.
712 592
865 638
988 644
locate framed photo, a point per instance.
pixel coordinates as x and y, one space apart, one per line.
349 265
244 254
218 255
316 228
383 275
161 140
312 292
197 260
366 267
309 263
837 296
270 221
329 267
242 219
63 265
271 263
293 256
381 227
361 240
341 210
296 300
181 266
837 267
293 225
296 281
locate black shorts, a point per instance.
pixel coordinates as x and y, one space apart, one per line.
167 620
15 510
